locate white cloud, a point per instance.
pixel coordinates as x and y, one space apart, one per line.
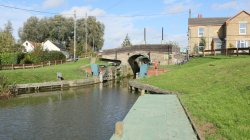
116 28
174 6
81 11
227 5
169 1
16 17
52 3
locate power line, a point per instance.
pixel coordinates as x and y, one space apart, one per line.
114 5
104 16
129 16
30 10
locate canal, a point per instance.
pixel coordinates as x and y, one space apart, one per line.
81 113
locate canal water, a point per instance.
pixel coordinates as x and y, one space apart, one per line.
86 113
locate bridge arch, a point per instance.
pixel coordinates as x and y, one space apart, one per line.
136 60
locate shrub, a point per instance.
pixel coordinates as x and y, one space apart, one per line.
38 57
26 59
55 55
4 83
11 58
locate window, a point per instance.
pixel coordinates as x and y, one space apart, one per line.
200 32
242 44
242 28
218 45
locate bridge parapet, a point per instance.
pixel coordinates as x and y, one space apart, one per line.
147 48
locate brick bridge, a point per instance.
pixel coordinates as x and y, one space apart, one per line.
161 53
136 54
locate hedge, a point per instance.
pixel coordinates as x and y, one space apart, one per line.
11 58
46 56
29 58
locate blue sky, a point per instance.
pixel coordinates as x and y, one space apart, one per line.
123 17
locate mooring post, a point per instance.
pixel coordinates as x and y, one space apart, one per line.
142 92
119 129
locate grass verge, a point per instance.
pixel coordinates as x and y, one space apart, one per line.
70 71
215 91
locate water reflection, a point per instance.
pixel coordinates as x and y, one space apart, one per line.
81 113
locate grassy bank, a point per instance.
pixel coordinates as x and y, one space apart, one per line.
216 92
70 71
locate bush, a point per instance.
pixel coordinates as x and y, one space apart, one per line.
4 83
11 58
38 57
26 60
55 55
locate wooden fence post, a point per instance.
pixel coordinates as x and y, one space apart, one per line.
237 51
12 66
61 62
33 66
55 62
49 63
42 64
23 66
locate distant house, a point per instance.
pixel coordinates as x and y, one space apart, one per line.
219 32
29 46
48 45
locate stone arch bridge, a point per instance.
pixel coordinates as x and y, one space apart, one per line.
165 54
136 54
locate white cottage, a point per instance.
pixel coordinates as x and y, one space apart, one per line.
48 45
28 46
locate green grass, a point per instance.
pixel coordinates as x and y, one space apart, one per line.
215 91
70 71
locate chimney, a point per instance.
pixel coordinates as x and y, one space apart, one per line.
189 13
199 15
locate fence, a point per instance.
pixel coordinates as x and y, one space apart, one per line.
28 66
228 51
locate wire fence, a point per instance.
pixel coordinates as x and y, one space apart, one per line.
31 66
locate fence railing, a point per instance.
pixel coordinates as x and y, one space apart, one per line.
29 66
228 51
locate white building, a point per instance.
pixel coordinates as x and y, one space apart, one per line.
29 46
48 45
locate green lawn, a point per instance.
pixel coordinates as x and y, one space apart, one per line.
71 70
215 91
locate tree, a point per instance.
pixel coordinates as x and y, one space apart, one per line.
30 30
8 28
202 44
60 29
126 42
7 40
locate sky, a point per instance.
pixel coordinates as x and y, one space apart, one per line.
122 17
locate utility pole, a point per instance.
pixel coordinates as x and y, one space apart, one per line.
145 38
190 14
162 35
75 35
93 44
86 33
